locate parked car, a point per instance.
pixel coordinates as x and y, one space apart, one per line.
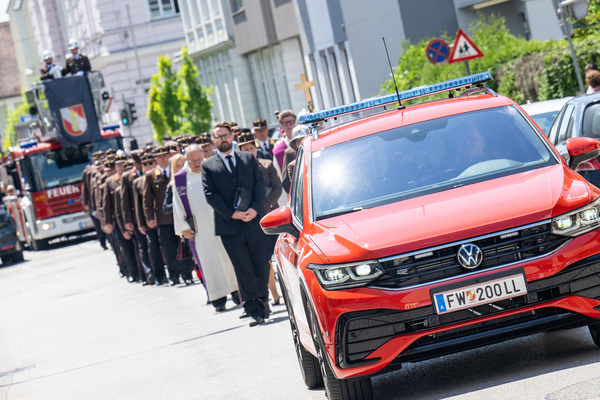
544 112
430 229
11 248
579 117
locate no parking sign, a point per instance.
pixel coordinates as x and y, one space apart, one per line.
437 51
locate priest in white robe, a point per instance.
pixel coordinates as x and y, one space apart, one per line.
217 270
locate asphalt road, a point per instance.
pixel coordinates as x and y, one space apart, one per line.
70 328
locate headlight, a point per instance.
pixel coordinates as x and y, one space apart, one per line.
332 277
47 226
578 222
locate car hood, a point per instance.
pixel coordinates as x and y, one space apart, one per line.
452 215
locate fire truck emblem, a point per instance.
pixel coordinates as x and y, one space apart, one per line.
73 119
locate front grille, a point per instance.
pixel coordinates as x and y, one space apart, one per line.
360 333
65 205
440 263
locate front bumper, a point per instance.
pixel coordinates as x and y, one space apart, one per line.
63 225
368 341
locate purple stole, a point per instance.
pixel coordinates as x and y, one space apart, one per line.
181 187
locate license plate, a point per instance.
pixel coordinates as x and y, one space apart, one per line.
476 294
85 224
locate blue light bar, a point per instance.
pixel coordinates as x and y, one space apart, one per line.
27 145
381 101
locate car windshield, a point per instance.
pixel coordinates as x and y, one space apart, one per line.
64 166
424 158
545 120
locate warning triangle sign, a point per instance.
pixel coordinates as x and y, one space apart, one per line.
464 49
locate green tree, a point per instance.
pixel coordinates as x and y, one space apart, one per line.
195 104
178 103
12 122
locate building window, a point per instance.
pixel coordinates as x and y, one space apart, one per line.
163 8
236 6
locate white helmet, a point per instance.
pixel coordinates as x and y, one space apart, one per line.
47 54
73 44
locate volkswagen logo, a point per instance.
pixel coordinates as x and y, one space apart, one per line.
469 256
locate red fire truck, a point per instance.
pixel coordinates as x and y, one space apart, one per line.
48 175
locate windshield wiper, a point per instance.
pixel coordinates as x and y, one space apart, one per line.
335 214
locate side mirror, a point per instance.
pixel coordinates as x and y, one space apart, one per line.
279 221
582 149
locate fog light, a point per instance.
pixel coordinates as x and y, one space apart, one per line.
363 270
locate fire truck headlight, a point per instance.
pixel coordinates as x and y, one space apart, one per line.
46 226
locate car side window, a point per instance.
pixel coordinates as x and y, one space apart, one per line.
591 121
296 199
566 124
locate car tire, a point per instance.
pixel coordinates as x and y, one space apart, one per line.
309 364
595 332
337 389
18 256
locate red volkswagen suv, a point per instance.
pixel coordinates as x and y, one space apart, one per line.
429 229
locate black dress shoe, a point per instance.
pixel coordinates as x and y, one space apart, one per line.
220 309
235 297
151 280
131 279
244 315
174 282
256 321
163 281
276 302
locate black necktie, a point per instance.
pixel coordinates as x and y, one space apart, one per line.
166 174
231 166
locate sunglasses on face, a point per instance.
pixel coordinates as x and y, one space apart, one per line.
148 163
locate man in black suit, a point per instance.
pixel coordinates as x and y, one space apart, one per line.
246 244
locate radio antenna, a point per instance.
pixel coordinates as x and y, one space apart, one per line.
400 106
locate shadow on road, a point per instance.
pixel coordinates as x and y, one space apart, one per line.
489 366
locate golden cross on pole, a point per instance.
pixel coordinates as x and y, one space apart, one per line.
305 85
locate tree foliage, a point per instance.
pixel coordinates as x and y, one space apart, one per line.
178 103
522 69
193 97
12 122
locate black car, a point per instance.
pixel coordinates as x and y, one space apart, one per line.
579 117
11 248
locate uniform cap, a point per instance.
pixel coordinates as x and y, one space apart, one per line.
298 133
98 153
161 150
73 44
47 54
121 158
259 123
203 138
110 152
147 157
109 164
136 155
245 136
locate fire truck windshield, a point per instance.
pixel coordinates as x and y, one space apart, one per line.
60 167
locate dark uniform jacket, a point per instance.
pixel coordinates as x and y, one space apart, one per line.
138 200
85 186
99 196
220 188
45 72
289 155
272 184
155 187
76 63
127 193
272 142
109 205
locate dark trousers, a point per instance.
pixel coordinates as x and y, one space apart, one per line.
249 253
128 253
141 254
156 258
168 246
99 232
112 239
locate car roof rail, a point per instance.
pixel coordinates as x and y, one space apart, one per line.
478 89
382 101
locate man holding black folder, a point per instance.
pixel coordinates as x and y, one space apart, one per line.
234 188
